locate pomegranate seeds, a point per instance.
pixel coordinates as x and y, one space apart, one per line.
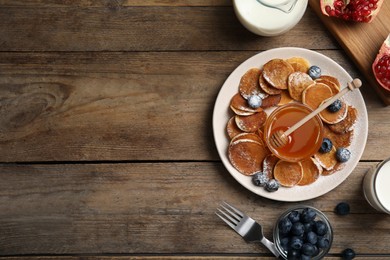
353 10
382 70
381 65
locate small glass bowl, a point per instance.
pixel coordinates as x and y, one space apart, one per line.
303 142
319 216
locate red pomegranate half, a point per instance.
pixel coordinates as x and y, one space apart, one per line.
381 65
352 10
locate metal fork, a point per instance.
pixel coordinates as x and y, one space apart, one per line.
248 228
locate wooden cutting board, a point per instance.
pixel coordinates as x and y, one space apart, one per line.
361 41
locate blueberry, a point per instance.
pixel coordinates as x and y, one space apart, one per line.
255 101
284 226
296 243
335 106
308 215
320 228
308 249
297 229
284 243
316 250
308 226
323 242
294 216
343 154
293 254
305 257
314 72
326 145
311 237
342 208
272 185
260 179
348 254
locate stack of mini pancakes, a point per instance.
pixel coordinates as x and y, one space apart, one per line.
278 82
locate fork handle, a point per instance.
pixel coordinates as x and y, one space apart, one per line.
271 246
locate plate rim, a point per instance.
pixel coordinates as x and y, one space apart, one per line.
243 66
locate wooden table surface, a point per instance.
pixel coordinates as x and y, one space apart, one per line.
106 145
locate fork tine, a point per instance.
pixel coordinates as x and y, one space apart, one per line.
240 214
233 226
229 215
233 215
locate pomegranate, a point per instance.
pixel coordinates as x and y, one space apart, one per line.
381 65
352 10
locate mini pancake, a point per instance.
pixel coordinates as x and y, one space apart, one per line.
334 117
311 171
333 86
339 166
247 156
331 79
251 123
338 140
348 122
241 112
299 64
267 88
241 104
270 101
248 137
285 98
232 128
288 174
249 83
276 72
269 165
327 160
297 83
313 95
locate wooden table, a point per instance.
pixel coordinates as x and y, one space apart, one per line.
106 142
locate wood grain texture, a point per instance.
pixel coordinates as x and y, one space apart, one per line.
361 41
126 106
176 257
103 208
149 257
106 146
118 3
79 28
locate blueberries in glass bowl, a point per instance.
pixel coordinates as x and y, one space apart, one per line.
303 232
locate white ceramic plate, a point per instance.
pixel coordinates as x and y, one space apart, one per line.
324 184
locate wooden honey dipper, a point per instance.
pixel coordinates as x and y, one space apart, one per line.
280 138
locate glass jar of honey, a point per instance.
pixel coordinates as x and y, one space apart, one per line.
303 142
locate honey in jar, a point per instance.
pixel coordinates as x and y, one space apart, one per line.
303 142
